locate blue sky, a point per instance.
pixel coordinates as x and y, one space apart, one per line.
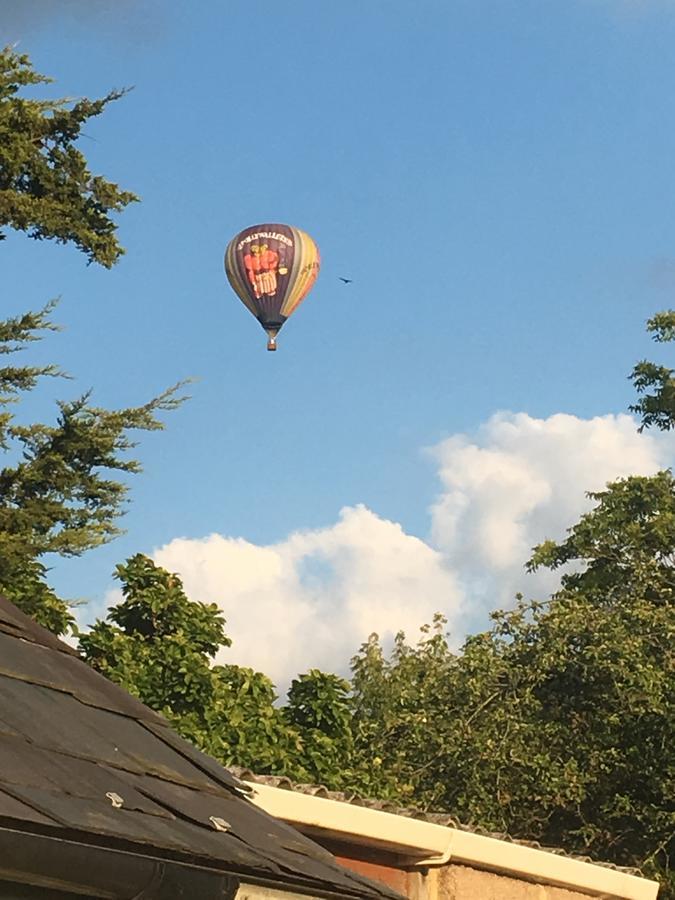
496 177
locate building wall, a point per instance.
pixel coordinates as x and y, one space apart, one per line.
451 882
456 882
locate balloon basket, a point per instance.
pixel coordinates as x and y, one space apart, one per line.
271 344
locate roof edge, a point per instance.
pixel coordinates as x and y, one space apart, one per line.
426 844
50 860
47 861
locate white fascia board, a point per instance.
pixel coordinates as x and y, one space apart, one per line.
426 844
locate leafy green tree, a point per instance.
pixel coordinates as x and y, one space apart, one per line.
624 548
557 724
159 645
318 708
395 701
156 643
247 728
655 383
46 187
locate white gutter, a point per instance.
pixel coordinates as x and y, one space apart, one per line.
425 844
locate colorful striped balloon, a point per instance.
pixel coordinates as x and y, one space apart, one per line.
272 269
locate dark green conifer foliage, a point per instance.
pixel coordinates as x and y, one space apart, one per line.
46 187
60 487
63 485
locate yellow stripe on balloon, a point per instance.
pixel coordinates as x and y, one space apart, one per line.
308 262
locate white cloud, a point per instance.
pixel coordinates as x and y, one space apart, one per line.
521 480
311 599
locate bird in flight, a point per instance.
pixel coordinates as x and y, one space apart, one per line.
346 280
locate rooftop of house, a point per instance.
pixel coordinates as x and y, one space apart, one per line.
414 840
444 819
86 764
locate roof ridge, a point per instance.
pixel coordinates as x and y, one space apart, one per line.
16 623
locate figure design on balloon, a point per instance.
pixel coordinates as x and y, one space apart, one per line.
262 265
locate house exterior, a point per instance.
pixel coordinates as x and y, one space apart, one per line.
431 856
101 799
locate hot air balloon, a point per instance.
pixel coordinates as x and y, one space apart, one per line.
271 269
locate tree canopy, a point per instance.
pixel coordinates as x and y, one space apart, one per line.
655 383
557 724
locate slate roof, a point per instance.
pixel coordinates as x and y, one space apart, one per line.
84 761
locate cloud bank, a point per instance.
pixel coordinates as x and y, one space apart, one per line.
521 480
313 598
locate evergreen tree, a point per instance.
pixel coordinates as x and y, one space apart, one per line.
46 187
58 493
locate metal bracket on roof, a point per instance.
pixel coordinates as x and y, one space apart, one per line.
219 824
246 789
115 799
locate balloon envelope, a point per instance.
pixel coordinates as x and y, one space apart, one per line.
271 269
